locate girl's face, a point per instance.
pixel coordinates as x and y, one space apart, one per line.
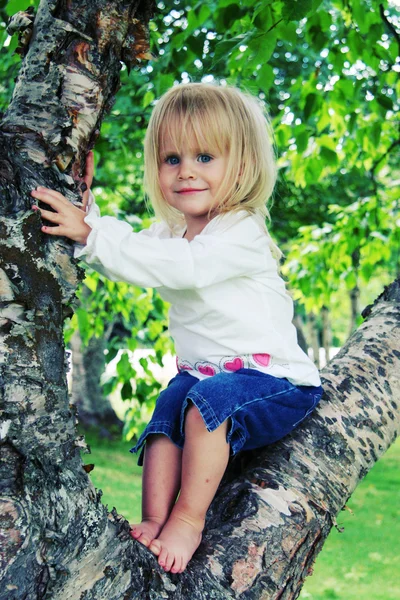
190 180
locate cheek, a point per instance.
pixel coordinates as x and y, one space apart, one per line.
162 180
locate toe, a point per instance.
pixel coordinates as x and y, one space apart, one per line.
134 532
155 547
183 566
170 560
176 568
163 557
143 539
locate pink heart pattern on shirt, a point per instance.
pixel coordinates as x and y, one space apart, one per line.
183 365
206 370
234 365
263 360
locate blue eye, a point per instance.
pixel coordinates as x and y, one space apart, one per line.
204 158
172 160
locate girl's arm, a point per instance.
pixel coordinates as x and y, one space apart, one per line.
69 219
156 260
153 259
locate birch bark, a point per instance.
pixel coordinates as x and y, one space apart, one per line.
275 508
51 515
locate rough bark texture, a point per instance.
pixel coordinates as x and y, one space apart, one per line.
50 513
272 512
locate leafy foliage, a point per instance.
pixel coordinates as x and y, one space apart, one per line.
327 71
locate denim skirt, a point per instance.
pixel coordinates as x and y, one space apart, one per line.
262 409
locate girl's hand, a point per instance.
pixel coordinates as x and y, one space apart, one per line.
68 218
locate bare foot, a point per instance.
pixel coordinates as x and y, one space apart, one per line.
146 531
179 539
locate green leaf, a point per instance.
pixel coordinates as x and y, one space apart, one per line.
228 15
310 104
302 140
296 9
360 15
352 122
148 98
385 101
226 47
265 77
324 119
163 83
126 391
91 283
287 31
262 46
262 17
111 354
375 133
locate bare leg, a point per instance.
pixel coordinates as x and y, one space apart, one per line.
161 483
204 460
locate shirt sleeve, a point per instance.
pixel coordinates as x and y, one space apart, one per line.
148 259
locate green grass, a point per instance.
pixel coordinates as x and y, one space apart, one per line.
362 563
116 474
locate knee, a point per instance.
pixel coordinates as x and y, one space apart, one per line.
193 418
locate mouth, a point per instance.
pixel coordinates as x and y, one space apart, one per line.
189 191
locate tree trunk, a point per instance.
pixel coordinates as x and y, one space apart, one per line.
266 524
354 308
313 337
88 364
326 333
301 338
355 291
67 81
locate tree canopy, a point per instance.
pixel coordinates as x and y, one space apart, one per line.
327 72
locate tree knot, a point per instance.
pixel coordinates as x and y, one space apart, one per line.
23 23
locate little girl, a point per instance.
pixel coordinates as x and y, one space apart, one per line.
243 381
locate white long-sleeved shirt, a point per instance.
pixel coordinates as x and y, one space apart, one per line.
229 307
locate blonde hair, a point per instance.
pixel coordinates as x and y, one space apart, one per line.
223 119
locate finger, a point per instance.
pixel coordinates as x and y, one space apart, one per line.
52 230
88 179
53 217
85 199
52 193
50 197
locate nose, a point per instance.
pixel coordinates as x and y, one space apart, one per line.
186 170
